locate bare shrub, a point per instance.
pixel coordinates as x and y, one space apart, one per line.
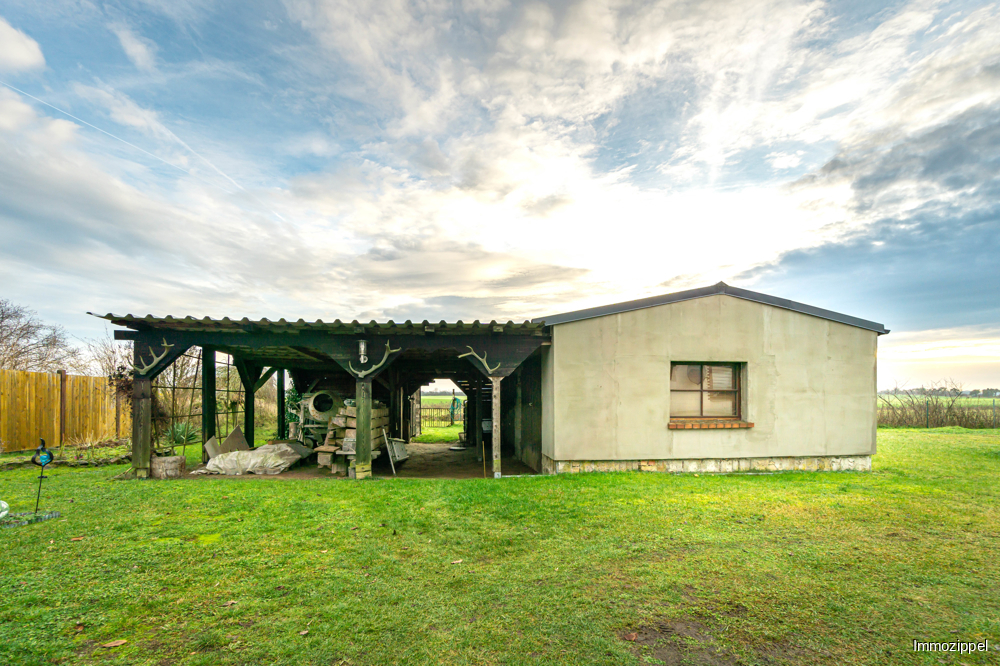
939 406
28 343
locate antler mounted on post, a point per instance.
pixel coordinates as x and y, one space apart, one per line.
364 373
156 359
481 359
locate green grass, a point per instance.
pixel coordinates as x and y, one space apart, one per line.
438 400
960 401
797 568
445 434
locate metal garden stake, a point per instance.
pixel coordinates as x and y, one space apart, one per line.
41 458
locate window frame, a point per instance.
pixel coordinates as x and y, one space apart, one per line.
738 390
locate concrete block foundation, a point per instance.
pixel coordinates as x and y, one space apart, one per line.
861 463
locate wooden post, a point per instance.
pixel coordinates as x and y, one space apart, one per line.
142 431
249 393
517 420
118 414
497 443
62 407
476 422
363 443
282 426
207 398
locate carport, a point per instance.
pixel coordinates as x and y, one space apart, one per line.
384 361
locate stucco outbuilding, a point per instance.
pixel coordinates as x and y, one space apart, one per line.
800 385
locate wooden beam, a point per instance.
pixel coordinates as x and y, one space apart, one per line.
363 441
249 374
282 426
497 443
263 378
208 404
146 349
322 347
142 430
477 423
313 354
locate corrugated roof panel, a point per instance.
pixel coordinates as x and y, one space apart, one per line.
206 323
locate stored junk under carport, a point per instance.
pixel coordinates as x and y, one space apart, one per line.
717 379
369 363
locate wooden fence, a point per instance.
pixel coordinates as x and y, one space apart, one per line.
62 409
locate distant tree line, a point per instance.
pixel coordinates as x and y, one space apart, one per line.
944 391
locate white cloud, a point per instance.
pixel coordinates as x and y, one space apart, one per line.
140 50
785 160
967 356
475 177
18 52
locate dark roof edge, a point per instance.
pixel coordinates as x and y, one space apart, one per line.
701 292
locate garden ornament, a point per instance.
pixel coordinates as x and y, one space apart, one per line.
41 458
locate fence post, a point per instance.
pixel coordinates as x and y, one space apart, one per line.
62 407
994 413
927 412
118 414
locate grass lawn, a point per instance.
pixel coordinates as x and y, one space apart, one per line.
439 400
798 568
444 434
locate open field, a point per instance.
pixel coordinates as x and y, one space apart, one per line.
438 400
796 568
915 411
961 401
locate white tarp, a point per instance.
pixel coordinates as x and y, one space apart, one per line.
267 459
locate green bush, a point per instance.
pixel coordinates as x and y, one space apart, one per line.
183 433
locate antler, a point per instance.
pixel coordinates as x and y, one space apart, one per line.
481 359
156 359
363 373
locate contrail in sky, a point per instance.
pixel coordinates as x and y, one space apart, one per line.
156 157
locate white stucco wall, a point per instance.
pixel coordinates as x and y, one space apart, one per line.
809 384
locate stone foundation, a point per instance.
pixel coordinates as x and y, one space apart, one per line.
713 465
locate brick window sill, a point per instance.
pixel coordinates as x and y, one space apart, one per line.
707 424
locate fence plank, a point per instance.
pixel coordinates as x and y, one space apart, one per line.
29 409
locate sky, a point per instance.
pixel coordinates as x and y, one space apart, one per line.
487 159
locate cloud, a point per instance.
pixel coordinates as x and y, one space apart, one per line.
515 159
785 160
140 50
18 52
926 225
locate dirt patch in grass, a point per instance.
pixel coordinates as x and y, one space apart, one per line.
687 641
675 642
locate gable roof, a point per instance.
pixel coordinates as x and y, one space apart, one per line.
715 289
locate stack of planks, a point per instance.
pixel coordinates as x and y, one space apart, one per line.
343 428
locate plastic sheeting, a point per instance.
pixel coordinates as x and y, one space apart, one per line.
267 459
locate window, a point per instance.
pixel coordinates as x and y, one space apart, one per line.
705 390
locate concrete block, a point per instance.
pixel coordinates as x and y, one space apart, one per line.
167 467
